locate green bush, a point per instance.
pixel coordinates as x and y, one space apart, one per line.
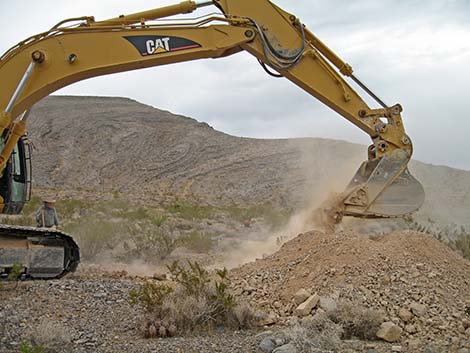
150 295
159 220
27 348
198 301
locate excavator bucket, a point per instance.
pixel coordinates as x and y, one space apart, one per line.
382 188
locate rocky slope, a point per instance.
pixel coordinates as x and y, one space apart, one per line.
108 144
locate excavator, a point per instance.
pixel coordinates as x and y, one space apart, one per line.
79 48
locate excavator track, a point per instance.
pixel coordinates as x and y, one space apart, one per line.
43 253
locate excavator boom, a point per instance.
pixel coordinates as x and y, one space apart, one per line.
81 48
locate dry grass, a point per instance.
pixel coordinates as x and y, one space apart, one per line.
356 320
318 334
51 336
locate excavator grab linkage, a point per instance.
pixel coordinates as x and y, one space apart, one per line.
80 48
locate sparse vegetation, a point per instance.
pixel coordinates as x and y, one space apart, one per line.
95 235
455 236
27 348
356 320
152 244
197 241
159 220
315 334
198 301
462 244
189 211
50 337
271 216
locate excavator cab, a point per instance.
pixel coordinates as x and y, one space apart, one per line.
15 183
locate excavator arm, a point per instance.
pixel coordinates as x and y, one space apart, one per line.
81 48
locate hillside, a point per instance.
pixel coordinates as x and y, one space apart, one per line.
117 144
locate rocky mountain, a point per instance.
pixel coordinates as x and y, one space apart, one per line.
117 144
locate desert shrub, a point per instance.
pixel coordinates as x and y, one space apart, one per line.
150 295
32 205
159 220
21 220
95 235
316 334
455 236
356 320
15 272
190 211
67 207
134 214
197 241
198 301
27 348
273 217
51 336
152 244
462 244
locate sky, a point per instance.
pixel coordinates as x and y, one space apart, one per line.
412 52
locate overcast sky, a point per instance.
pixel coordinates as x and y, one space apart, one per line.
414 52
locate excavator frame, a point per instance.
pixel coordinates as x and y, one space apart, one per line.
81 48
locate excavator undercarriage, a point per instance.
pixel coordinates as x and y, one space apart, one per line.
43 253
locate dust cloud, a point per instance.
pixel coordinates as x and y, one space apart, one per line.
320 177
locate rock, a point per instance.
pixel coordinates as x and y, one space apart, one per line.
405 315
396 348
465 323
301 296
159 276
270 319
463 350
410 329
287 348
306 307
267 345
327 304
418 309
389 332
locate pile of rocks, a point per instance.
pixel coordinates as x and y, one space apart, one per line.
421 287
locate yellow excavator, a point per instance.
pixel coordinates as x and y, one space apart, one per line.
79 48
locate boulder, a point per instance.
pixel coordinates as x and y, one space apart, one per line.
267 345
301 296
405 315
418 309
287 348
306 307
389 332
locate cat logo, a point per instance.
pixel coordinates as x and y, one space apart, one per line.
154 45
158 45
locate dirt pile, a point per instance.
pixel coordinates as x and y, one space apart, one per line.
397 273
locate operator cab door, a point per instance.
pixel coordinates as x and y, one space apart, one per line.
15 183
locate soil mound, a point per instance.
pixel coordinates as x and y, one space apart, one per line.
399 271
